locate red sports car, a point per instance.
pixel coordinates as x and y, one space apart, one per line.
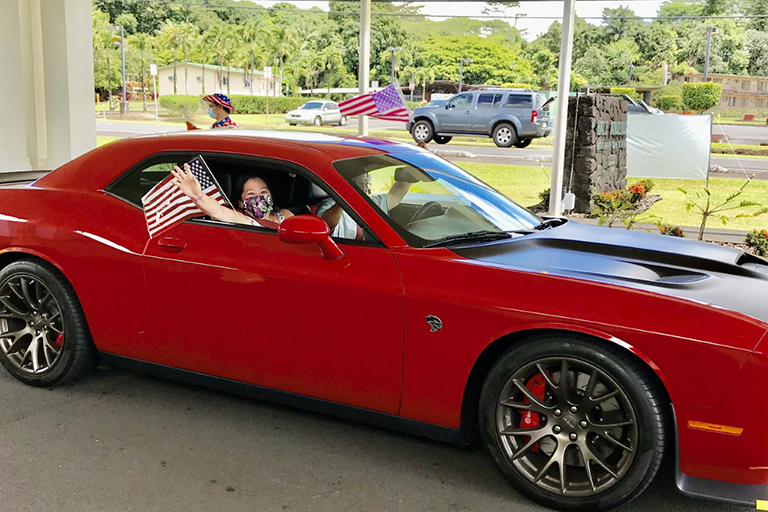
581 355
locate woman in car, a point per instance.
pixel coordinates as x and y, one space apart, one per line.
255 200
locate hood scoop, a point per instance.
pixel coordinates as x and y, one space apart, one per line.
644 272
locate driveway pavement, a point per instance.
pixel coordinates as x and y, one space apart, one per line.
119 441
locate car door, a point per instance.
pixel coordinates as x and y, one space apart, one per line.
234 301
455 116
486 107
334 115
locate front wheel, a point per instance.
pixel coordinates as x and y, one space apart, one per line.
524 143
343 121
422 131
442 139
44 339
504 135
317 121
572 424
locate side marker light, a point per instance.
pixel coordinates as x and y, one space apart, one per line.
712 427
761 505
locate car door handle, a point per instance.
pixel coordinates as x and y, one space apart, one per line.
174 243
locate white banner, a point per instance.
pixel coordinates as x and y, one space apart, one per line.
668 146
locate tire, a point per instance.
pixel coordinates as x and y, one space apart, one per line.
292 124
524 143
504 135
422 131
44 338
620 461
343 121
318 121
442 139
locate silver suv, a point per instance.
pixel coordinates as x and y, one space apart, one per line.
512 117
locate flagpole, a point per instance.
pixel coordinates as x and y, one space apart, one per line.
363 73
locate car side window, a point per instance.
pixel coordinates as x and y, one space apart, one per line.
488 101
461 101
519 101
137 182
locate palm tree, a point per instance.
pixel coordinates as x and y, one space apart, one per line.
169 36
218 38
204 54
284 44
142 42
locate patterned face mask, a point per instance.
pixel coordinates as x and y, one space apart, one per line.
258 206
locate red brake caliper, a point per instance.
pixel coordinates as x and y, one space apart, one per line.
537 385
59 340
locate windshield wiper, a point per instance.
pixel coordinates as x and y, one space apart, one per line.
474 236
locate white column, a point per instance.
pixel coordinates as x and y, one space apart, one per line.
52 119
364 63
563 88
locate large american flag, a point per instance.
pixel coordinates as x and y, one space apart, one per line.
386 104
165 205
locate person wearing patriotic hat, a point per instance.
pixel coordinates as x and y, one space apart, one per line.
219 108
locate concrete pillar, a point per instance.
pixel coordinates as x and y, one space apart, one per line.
47 81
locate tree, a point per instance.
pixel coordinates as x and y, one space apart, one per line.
701 96
620 22
143 43
757 46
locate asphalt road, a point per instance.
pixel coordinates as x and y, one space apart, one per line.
119 441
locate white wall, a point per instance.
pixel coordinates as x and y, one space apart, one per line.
47 82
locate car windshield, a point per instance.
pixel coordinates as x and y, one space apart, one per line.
312 105
435 103
442 202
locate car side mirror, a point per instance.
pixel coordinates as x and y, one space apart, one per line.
308 229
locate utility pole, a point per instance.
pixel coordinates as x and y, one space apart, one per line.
461 70
364 66
393 49
710 31
629 82
123 100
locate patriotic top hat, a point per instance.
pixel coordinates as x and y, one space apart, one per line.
220 99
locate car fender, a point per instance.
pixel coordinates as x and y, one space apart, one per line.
504 118
429 116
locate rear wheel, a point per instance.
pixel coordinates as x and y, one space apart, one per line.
318 121
572 424
343 121
504 135
442 139
44 339
524 143
422 131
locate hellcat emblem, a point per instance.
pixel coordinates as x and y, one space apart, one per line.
435 324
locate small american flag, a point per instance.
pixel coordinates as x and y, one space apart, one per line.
386 104
165 205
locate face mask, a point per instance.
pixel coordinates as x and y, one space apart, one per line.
258 206
211 114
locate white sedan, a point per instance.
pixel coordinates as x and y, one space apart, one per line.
316 112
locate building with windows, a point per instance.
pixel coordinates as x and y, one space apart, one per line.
739 92
216 79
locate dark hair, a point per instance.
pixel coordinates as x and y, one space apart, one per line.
240 185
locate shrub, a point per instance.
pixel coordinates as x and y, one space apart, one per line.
244 104
629 91
701 96
670 102
669 230
181 105
620 204
758 240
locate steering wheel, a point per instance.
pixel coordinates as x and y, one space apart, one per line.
428 209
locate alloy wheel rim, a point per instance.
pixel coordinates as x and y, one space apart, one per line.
31 325
575 434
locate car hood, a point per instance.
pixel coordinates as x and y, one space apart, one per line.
700 271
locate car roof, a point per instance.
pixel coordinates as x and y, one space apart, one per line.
97 168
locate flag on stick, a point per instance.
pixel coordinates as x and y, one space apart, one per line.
165 205
387 103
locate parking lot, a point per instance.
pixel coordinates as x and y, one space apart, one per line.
121 441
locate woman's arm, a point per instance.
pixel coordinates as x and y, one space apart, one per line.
190 186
